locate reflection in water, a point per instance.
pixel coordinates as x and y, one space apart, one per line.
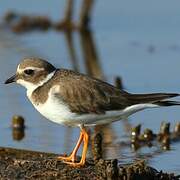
72 51
90 56
18 134
149 139
85 14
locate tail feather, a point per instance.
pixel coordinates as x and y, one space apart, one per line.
167 103
155 98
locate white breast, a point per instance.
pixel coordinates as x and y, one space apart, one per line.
54 108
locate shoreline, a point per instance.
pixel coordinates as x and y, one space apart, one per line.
25 164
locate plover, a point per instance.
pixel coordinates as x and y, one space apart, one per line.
74 99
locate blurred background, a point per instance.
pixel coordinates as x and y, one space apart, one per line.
137 41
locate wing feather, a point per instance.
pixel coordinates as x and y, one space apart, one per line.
89 95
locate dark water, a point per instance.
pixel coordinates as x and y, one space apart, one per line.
138 41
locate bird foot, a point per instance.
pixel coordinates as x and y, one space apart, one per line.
77 164
70 158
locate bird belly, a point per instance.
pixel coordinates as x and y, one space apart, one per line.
56 111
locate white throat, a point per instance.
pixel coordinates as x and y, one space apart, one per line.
31 87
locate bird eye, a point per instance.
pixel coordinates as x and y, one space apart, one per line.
29 71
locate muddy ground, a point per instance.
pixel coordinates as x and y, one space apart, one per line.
23 164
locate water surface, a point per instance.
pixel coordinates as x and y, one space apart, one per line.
138 41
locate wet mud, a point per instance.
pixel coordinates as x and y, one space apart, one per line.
23 164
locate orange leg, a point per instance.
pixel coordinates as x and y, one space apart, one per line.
85 147
72 156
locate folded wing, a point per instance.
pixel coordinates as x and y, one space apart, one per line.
89 95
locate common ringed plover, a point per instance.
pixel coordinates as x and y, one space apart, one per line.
74 99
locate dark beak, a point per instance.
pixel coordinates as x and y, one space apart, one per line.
11 79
